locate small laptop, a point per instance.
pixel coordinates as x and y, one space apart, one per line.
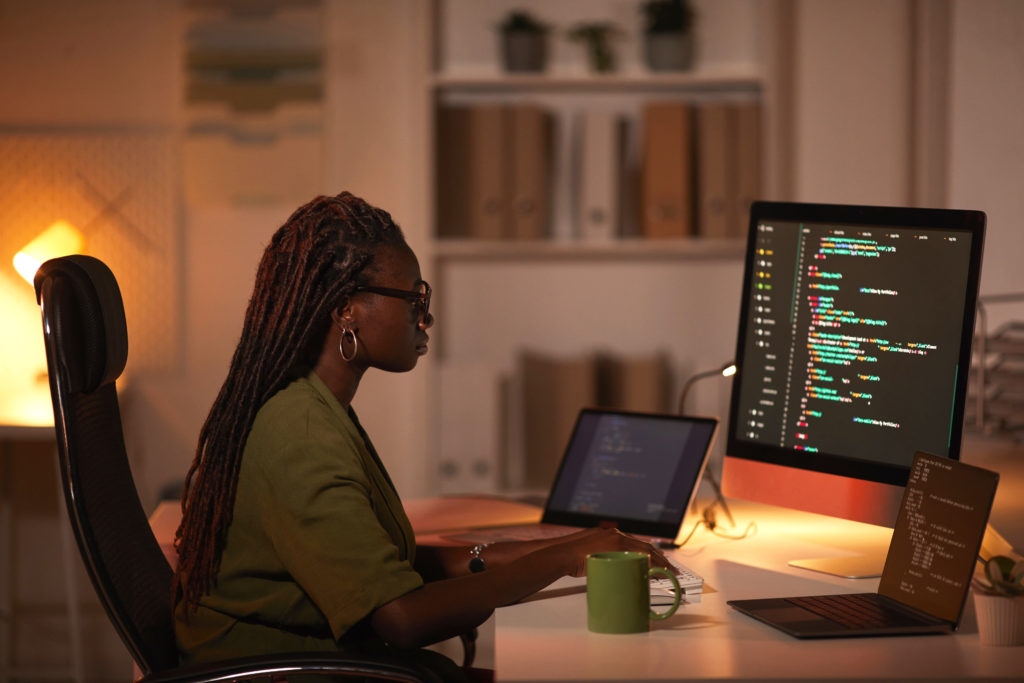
637 472
928 568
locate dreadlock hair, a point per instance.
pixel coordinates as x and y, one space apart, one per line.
314 262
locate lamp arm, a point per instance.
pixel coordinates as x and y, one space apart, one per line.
726 370
690 382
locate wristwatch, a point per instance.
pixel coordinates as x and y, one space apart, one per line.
476 563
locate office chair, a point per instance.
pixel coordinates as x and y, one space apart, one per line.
86 350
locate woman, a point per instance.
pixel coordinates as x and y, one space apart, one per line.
293 537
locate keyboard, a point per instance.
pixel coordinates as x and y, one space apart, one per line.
689 580
855 610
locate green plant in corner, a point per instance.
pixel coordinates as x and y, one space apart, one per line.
1004 576
523 42
668 34
521 21
597 38
668 16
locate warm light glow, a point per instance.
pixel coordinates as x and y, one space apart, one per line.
27 406
729 371
60 239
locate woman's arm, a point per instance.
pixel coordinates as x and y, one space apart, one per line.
445 608
435 562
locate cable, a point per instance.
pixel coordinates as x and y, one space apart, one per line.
708 520
749 531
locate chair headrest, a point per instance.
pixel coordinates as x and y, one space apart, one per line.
84 313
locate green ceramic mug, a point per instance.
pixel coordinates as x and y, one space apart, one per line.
618 592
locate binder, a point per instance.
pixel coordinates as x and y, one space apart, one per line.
666 193
488 171
471 172
554 390
600 175
469 417
641 383
453 161
531 144
714 133
749 158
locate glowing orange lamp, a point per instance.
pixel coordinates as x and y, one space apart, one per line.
25 398
60 239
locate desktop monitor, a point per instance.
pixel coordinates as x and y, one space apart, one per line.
853 353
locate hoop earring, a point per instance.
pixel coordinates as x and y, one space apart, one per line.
355 345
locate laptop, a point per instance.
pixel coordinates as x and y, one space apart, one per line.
928 568
637 472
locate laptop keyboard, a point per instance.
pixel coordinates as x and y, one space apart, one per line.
856 610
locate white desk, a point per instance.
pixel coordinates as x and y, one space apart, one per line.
546 638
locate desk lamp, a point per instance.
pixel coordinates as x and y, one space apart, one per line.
726 370
25 394
60 239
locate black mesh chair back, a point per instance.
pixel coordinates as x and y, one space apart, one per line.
86 350
86 342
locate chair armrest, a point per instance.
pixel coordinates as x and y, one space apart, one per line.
327 663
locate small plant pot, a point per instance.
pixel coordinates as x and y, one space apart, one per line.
524 51
1000 619
668 51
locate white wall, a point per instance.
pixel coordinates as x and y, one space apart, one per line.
68 63
986 167
852 91
377 123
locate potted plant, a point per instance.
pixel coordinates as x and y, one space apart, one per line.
668 34
999 602
523 42
597 38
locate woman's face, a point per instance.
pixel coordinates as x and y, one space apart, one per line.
392 330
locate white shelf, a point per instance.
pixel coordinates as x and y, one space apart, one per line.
696 81
695 248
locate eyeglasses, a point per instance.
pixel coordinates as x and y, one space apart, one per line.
419 298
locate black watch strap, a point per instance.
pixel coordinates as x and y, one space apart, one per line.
476 563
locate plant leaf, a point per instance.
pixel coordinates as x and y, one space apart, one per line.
1017 573
999 568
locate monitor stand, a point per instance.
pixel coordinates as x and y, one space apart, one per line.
867 565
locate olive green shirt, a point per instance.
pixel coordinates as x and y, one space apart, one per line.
318 540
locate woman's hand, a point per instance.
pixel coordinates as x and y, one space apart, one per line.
444 608
583 543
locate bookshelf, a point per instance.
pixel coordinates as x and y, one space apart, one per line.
567 294
452 251
566 101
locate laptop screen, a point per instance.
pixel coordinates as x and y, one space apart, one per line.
636 470
938 534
